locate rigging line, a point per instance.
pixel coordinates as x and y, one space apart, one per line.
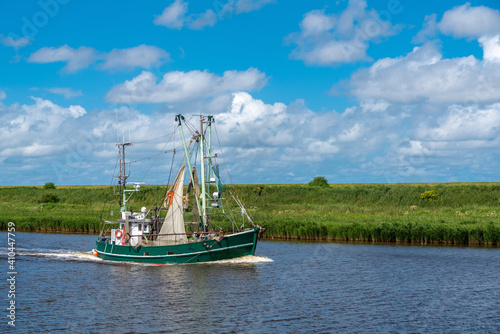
223 157
237 199
148 158
158 155
190 126
191 129
159 205
152 156
148 140
171 168
111 184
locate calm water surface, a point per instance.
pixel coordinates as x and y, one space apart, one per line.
288 287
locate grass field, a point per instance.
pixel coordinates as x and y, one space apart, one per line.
456 213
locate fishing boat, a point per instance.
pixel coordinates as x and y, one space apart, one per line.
161 234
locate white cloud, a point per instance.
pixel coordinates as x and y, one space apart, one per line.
246 6
465 123
2 95
323 148
16 43
254 122
261 141
327 39
491 47
34 150
143 56
316 22
424 76
428 31
76 59
176 16
374 106
463 137
351 134
173 16
36 129
65 91
206 19
415 148
179 86
67 145
467 21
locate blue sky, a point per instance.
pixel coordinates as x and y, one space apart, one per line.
357 91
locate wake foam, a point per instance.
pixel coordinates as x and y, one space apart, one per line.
246 259
88 256
77 256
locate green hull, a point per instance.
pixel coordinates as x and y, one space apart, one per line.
230 247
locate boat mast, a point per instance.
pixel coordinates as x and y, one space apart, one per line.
203 193
122 179
209 152
179 118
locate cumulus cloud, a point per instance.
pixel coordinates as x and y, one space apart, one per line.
465 123
175 16
461 137
294 133
424 76
250 120
180 86
352 133
2 95
200 21
31 129
16 43
266 141
65 91
428 31
443 113
143 56
491 48
246 6
261 141
76 59
327 39
467 21
67 144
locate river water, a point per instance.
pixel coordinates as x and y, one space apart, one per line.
288 287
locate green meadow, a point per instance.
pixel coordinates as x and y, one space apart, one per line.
453 213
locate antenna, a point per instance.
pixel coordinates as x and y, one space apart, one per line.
117 135
116 116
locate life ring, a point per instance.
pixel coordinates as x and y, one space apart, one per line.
118 234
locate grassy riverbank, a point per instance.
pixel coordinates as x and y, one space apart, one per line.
459 213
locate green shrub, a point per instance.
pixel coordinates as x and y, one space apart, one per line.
258 190
319 181
49 185
49 198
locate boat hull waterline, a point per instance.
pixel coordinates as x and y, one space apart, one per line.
230 247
